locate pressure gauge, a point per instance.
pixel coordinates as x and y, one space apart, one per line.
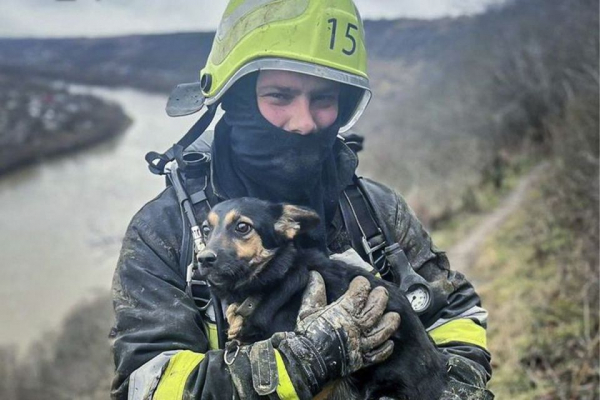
418 291
419 297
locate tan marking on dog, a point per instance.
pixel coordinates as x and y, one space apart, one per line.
213 219
329 391
246 220
230 217
261 260
252 250
287 224
249 248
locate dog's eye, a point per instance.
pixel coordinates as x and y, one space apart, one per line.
243 228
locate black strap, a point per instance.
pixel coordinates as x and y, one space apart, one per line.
187 249
157 162
366 236
197 288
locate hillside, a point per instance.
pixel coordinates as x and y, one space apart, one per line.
152 62
159 62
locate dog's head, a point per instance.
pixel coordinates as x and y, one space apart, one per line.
243 235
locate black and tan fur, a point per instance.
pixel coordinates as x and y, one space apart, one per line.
257 248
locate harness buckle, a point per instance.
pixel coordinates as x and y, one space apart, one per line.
234 344
374 249
202 302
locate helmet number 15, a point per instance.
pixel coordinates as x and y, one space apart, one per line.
349 31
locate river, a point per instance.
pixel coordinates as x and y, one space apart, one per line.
62 220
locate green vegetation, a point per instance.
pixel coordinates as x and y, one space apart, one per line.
538 273
542 295
477 201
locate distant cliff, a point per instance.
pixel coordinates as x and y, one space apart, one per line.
158 62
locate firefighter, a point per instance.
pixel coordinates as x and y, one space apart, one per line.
290 76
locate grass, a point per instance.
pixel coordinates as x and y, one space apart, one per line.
540 287
476 203
540 292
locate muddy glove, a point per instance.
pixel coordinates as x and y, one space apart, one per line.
332 341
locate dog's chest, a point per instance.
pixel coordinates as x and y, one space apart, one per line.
266 321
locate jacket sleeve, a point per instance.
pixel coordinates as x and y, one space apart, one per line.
160 345
457 322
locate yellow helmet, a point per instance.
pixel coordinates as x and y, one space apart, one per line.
323 38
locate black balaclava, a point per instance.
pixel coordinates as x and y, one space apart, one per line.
254 158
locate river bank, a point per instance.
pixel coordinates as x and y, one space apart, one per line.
63 219
40 120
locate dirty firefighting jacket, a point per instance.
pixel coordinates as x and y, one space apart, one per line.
165 348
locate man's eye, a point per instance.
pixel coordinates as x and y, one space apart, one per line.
243 228
205 231
279 96
325 100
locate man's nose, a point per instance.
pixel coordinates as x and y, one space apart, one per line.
301 120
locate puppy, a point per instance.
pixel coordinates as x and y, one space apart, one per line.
257 249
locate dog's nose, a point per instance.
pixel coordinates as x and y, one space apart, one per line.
207 258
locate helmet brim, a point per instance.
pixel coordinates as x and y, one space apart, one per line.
189 98
185 99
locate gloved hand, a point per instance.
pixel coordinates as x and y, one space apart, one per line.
332 341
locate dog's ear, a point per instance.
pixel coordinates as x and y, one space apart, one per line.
295 220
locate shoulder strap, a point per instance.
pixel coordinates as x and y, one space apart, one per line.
367 237
196 288
374 240
157 161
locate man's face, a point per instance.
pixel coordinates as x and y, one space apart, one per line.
296 102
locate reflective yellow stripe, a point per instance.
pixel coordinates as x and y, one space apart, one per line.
285 389
459 330
213 336
172 383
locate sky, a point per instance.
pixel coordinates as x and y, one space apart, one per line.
60 18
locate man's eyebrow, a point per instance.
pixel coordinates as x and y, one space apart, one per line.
282 89
326 90
288 90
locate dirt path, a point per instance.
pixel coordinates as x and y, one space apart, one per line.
462 254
